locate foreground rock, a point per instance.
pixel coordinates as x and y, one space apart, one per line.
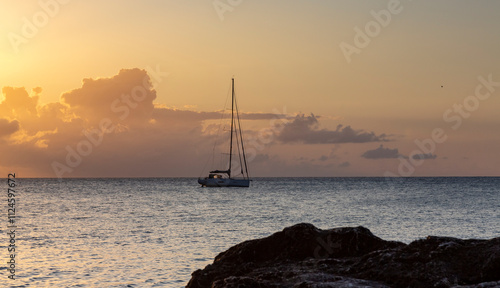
305 256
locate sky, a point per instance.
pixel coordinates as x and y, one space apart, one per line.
325 88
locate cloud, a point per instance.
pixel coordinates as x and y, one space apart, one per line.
38 135
126 98
381 153
163 113
147 139
344 164
263 116
18 104
305 129
8 127
424 156
169 115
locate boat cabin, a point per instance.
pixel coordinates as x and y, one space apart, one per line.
214 176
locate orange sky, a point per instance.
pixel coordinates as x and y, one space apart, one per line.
327 88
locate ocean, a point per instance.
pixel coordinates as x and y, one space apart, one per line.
156 232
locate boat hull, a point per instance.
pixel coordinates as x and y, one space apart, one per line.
223 182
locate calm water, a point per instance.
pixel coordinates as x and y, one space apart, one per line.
155 232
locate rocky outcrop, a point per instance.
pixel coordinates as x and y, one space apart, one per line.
305 256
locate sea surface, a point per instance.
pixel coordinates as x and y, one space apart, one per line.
156 232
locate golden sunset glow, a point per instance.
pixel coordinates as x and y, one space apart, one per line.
325 88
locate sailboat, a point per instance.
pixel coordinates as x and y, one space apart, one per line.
225 178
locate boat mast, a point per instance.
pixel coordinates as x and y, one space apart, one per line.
232 121
241 137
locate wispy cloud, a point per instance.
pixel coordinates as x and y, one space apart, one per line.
381 153
424 156
305 129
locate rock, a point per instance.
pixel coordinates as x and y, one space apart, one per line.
305 256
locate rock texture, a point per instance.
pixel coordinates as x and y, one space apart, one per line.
304 256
